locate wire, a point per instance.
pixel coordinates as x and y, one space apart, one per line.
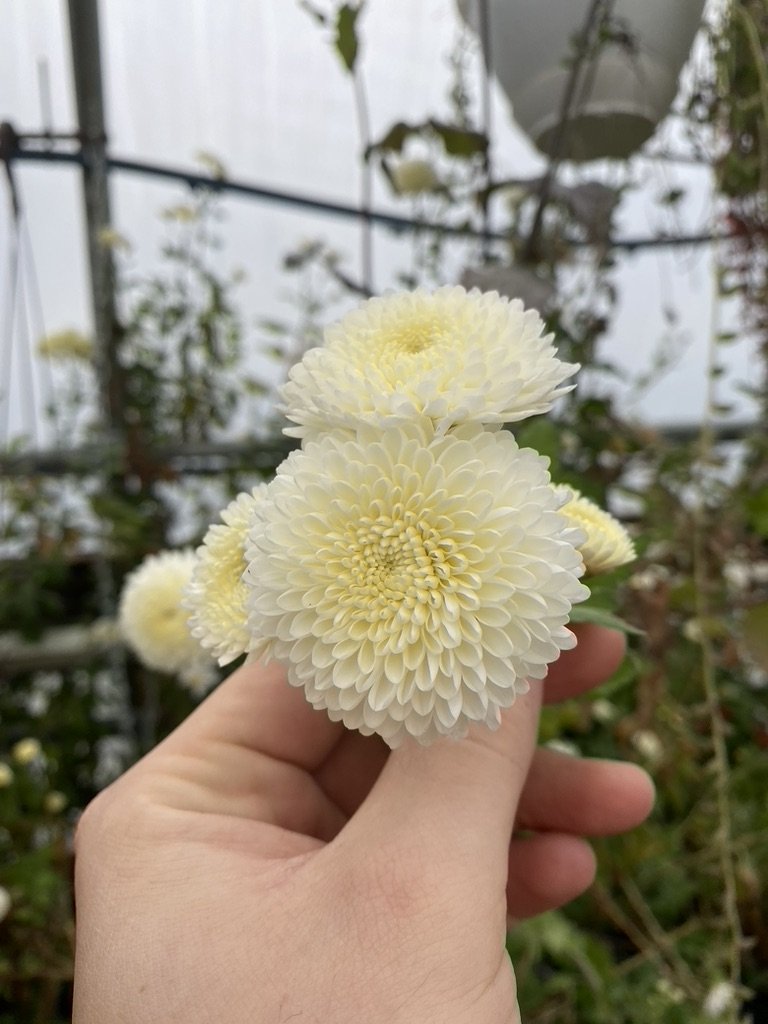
390 221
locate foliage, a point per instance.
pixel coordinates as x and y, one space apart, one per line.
678 917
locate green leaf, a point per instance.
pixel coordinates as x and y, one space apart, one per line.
754 633
395 138
460 141
541 434
346 35
600 617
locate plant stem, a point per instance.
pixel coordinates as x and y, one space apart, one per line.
366 183
723 835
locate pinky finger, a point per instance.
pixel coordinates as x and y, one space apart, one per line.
545 871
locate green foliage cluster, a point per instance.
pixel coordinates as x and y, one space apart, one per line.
676 927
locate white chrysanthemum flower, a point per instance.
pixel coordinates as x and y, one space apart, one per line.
608 545
451 355
413 583
153 621
216 592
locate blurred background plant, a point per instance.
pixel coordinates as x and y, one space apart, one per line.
676 927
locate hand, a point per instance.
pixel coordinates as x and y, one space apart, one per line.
262 864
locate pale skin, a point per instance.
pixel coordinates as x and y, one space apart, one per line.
263 865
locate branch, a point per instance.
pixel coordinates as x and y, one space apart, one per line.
60 647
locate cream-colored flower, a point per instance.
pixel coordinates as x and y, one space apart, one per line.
151 616
451 355
608 545
412 177
6 775
26 751
216 593
412 583
69 344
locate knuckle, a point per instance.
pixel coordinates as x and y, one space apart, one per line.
109 820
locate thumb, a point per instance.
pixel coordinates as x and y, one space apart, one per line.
456 799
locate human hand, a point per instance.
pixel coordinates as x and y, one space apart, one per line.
263 864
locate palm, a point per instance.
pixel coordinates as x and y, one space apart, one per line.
284 779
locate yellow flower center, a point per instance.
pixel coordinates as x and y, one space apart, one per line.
393 560
414 336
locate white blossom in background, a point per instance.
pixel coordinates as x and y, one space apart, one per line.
215 595
26 751
720 1000
737 575
755 677
67 344
54 802
648 745
6 775
197 676
413 177
694 631
648 579
566 747
450 355
604 711
607 544
154 623
412 583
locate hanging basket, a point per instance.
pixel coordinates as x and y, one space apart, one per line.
618 94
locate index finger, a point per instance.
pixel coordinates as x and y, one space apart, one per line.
595 658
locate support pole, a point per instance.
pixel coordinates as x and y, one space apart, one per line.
89 95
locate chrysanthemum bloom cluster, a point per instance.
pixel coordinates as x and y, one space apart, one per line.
410 565
154 623
607 544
